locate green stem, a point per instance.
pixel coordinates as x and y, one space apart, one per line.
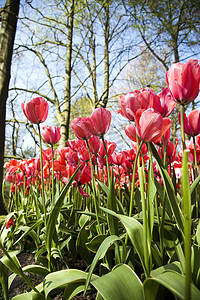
133 186
145 223
187 224
133 180
182 126
107 161
96 205
195 176
195 157
164 151
42 178
161 226
52 176
3 196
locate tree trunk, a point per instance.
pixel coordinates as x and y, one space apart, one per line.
9 16
64 126
106 55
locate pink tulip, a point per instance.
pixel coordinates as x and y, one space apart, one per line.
94 144
150 126
183 81
192 123
83 128
36 110
76 144
101 119
118 158
131 132
132 101
51 134
164 103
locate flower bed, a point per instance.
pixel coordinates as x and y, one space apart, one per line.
131 216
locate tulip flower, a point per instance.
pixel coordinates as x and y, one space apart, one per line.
36 110
9 223
131 132
94 144
83 128
110 146
51 134
101 119
183 81
118 158
192 123
132 101
150 126
164 103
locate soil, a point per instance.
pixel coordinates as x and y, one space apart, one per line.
18 285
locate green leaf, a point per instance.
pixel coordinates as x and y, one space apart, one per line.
94 244
84 218
13 263
32 295
169 188
52 220
105 245
36 269
175 266
81 241
72 289
29 296
151 198
111 204
120 283
135 232
61 279
28 230
172 281
194 184
4 279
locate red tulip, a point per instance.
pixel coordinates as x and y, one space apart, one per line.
83 128
183 81
36 110
150 126
101 119
143 149
192 123
164 103
190 145
51 134
110 146
118 158
131 132
132 101
94 144
76 144
72 158
9 223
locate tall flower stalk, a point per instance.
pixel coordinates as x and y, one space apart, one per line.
96 204
182 126
187 225
42 178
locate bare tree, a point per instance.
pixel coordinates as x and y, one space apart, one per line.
9 14
170 29
80 49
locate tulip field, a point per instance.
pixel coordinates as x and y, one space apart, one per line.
130 217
